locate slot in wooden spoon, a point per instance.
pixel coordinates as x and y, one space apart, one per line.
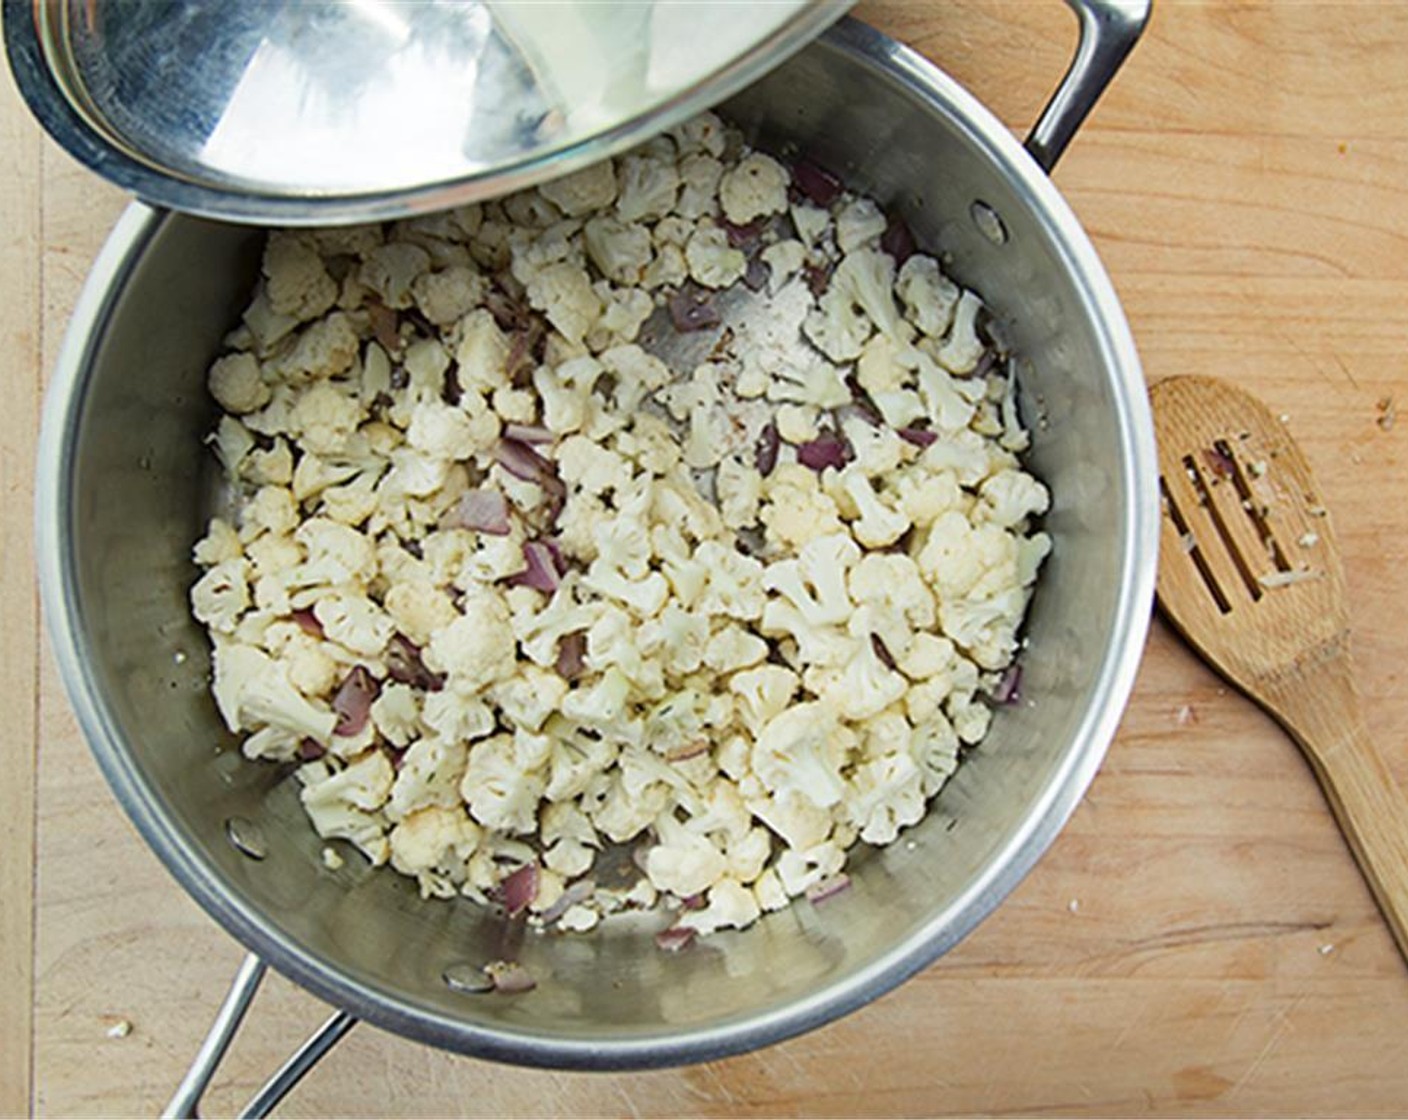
1249 574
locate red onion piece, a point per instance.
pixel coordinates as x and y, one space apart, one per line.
898 240
541 573
827 888
571 655
692 310
827 450
1220 462
385 326
527 433
985 365
693 902
1008 689
508 313
740 237
485 511
555 551
818 277
396 754
882 651
576 892
310 750
755 277
688 751
404 665
308 623
920 437
769 443
816 183
353 701
518 890
509 977
521 461
675 938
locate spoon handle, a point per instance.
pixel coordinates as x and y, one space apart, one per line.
1321 711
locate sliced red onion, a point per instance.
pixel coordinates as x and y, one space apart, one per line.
828 888
675 938
528 433
1220 462
816 183
508 313
518 890
308 623
555 497
541 572
521 461
485 511
509 977
576 892
898 240
1008 689
769 443
310 750
396 754
404 665
755 277
688 751
385 326
522 353
920 437
985 365
691 310
693 901
882 651
827 450
353 701
740 237
818 277
555 551
571 655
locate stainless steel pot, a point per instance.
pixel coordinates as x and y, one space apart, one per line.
120 501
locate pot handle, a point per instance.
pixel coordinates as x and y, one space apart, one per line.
186 1100
1108 31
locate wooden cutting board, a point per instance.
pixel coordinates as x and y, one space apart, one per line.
1196 942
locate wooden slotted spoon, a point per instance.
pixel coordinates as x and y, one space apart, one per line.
1249 574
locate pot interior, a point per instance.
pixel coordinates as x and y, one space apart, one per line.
132 500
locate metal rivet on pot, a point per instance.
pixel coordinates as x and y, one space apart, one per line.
466 978
246 837
989 222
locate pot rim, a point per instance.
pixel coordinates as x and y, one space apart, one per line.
383 1008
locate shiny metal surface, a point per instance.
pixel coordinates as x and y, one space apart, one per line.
325 111
120 500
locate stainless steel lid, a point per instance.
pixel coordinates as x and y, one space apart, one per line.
317 112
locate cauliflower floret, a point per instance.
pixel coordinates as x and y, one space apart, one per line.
295 279
482 354
570 842
419 610
712 261
220 543
648 187
390 270
273 467
732 648
730 905
866 687
962 348
271 510
252 690
622 252
735 582
796 510
564 293
763 693
800 870
797 423
928 295
859 222
430 773
944 399
529 697
804 749
324 417
1009 497
396 713
815 582
784 260
447 296
431 838
699 176
591 188
355 622
221 595
878 525
477 649
236 384
456 717
703 132
346 805
683 861
739 490
505 780
753 188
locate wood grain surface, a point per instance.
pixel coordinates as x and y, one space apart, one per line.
1197 942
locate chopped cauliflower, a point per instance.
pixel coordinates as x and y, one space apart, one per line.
518 596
